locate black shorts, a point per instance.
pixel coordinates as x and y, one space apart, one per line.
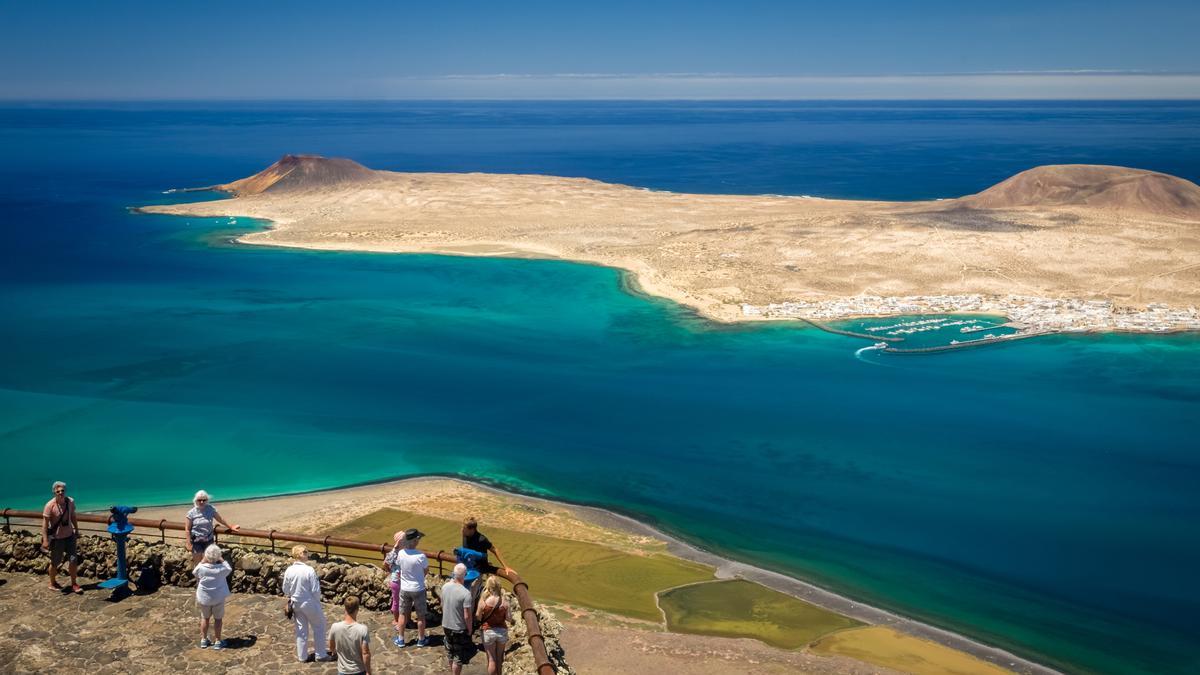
459 645
60 548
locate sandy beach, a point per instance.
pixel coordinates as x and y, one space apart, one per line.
449 498
1114 239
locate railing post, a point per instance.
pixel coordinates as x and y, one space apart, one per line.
162 530
326 547
271 536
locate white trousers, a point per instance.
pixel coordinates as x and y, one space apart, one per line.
310 627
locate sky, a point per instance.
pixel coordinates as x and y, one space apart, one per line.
588 49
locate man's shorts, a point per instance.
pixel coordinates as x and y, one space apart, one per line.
60 548
216 611
459 646
200 546
410 600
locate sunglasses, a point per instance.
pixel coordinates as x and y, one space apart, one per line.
201 501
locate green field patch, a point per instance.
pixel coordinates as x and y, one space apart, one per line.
741 608
577 573
886 647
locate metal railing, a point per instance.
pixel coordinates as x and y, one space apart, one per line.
537 642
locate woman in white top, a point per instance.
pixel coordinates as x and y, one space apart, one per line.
211 591
303 590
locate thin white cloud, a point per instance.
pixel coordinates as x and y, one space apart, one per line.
1057 84
1078 84
769 76
579 76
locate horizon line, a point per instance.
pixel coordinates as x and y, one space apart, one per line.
617 99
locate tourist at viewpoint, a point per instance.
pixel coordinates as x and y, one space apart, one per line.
411 564
303 591
212 588
200 525
351 642
475 540
60 530
392 565
457 620
494 616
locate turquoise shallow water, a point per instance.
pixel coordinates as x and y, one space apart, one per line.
1040 495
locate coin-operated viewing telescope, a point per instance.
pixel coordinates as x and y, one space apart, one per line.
473 560
119 528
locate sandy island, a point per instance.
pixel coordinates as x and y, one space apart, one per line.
449 498
1062 248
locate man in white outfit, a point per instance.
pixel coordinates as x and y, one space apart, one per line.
303 590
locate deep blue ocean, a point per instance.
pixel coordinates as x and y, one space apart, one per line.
1041 495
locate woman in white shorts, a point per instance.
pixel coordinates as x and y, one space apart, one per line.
494 616
211 590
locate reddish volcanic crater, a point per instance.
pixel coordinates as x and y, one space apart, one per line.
1111 188
301 172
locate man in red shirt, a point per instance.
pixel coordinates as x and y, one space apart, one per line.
59 531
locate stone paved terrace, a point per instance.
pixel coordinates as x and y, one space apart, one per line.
43 631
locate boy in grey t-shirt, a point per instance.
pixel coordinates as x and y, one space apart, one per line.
351 641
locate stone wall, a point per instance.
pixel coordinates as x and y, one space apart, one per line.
153 564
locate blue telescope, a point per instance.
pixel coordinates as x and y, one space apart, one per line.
473 560
119 528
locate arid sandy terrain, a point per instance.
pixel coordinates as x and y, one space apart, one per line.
1075 231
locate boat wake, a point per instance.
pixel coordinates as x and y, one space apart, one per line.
859 354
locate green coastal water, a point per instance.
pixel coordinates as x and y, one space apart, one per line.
1039 495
